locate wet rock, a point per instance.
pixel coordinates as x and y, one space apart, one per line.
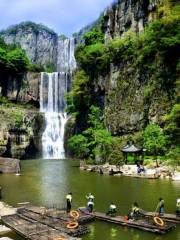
9 165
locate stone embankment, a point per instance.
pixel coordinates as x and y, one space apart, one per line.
9 165
150 172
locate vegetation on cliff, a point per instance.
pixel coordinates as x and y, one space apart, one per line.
13 59
153 56
26 25
94 142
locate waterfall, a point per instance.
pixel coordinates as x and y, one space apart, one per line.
52 90
65 59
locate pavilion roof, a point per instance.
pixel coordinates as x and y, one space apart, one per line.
131 149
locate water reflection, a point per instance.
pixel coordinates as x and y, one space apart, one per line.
136 237
92 231
54 183
114 232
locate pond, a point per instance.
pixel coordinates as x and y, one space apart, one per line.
46 182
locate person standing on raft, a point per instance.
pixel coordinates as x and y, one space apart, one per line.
160 207
90 206
90 197
68 202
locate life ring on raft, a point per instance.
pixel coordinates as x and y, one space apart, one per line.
60 238
72 225
158 221
74 214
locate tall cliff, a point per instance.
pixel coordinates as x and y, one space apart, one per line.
39 42
124 15
132 74
43 47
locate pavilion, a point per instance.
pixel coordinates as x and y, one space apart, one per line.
130 148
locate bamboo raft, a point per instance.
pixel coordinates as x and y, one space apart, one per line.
33 230
40 223
142 224
30 223
59 224
59 214
167 217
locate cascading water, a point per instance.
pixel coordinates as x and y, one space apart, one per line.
52 90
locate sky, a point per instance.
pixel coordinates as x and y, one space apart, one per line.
63 16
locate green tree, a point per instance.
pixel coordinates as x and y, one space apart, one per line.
17 61
79 145
94 36
102 141
174 156
95 118
95 140
3 59
33 67
154 140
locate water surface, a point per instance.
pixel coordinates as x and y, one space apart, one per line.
46 182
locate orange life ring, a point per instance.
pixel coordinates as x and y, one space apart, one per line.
72 225
60 238
74 214
158 221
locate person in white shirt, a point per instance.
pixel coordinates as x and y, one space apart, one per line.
68 202
90 197
112 209
90 206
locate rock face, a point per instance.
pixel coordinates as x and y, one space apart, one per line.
124 15
9 165
21 126
128 108
20 133
39 42
25 90
127 92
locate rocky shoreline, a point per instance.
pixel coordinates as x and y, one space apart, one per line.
151 172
